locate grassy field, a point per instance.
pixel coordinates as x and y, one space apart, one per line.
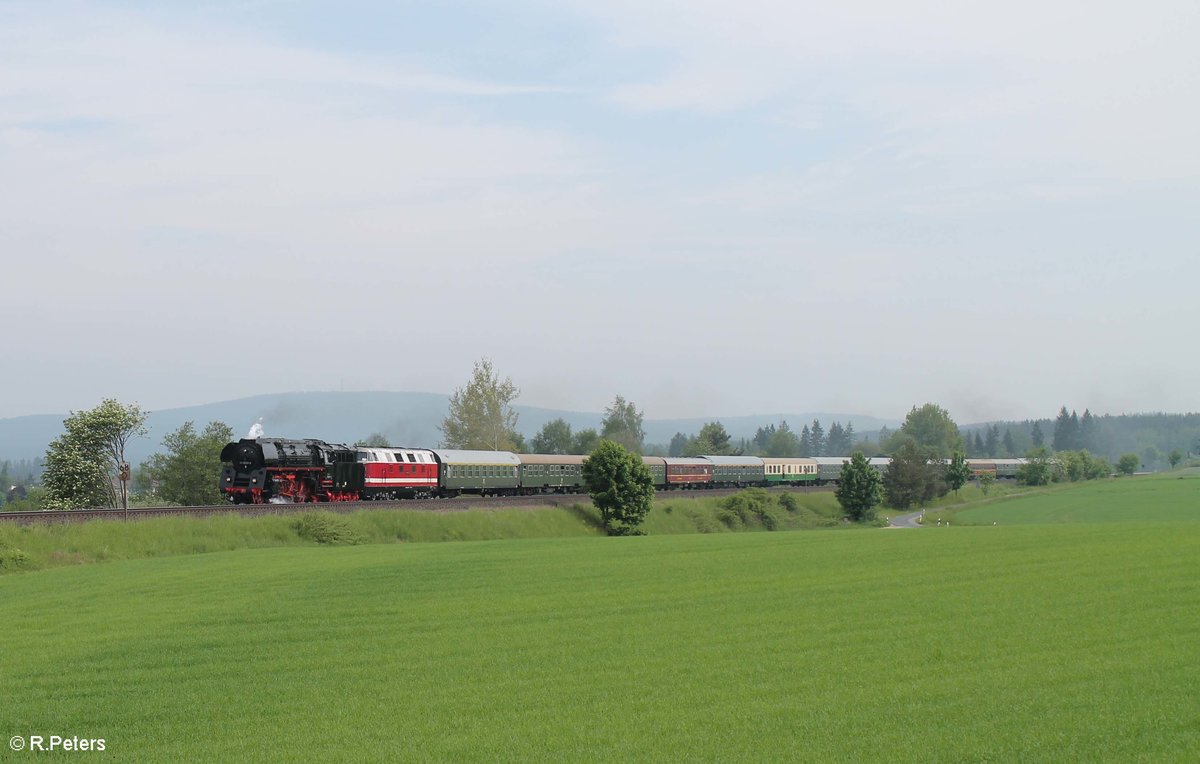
1009 643
37 547
1168 497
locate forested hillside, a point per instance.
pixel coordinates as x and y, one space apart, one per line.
1151 436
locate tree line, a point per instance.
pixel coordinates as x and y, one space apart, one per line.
1158 440
928 460
85 466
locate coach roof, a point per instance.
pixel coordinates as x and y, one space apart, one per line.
454 456
551 459
735 461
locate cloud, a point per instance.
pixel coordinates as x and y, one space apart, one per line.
1091 88
132 122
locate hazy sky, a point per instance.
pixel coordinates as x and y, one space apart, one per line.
713 208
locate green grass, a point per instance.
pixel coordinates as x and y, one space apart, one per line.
1036 643
1169 497
37 547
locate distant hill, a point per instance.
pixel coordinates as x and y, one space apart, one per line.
344 417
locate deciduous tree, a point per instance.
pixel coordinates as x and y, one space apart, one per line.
555 437
481 415
911 478
678 443
189 472
83 464
585 441
931 428
623 424
1037 467
958 472
1128 464
713 440
374 440
859 488
621 487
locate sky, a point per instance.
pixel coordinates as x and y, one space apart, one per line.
710 208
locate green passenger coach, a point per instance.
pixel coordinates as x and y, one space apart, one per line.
482 472
736 471
550 473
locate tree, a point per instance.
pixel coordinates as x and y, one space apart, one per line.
1097 467
959 472
481 414
816 436
1150 456
806 442
1069 465
84 465
979 448
991 443
911 478
76 475
931 427
835 441
1174 458
1010 446
189 472
678 443
1039 439
713 440
986 481
554 438
784 442
374 440
1066 431
859 488
621 487
623 424
762 437
1087 431
1037 467
519 446
1128 464
585 441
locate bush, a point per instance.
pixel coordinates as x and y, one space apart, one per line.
703 523
789 502
324 528
1128 464
12 559
753 504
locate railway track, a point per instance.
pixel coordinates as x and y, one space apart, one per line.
460 504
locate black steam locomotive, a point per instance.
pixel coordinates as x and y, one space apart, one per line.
259 470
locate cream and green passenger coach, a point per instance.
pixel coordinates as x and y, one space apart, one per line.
786 470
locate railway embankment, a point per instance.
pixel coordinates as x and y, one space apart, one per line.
107 536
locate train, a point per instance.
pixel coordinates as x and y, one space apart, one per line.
276 470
